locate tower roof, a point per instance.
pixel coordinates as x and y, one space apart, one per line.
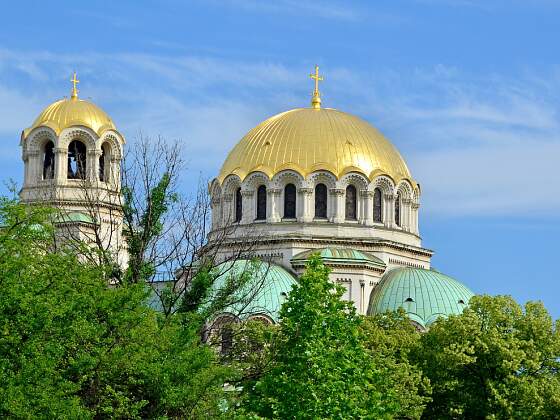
71 112
311 139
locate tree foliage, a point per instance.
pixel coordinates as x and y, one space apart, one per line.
390 339
320 367
496 360
71 346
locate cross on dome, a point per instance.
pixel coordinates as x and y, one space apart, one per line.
75 82
316 99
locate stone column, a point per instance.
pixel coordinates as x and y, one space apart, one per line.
306 197
114 175
366 216
273 205
248 215
60 164
93 165
337 195
415 207
216 212
389 210
406 214
227 210
35 167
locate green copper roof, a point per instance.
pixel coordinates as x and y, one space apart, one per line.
423 294
340 255
74 217
263 294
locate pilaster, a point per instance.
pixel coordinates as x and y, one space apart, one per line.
273 205
248 215
337 195
366 216
306 196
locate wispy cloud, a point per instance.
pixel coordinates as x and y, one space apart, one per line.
477 146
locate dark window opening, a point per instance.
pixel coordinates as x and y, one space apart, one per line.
76 160
320 201
290 201
238 205
226 333
48 161
377 206
398 209
461 301
261 203
351 213
409 300
104 163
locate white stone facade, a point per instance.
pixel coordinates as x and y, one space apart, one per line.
348 223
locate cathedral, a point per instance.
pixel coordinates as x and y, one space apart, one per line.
307 180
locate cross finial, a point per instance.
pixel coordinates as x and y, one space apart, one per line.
75 82
316 100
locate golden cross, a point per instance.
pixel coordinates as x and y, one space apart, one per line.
75 82
317 79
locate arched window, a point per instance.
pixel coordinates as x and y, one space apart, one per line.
238 205
104 162
320 201
290 201
226 338
48 161
398 209
261 203
351 213
76 160
377 206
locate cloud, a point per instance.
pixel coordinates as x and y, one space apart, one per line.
477 145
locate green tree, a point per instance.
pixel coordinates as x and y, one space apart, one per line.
494 361
71 346
390 338
320 367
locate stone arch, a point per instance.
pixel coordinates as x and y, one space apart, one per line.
228 190
85 135
230 184
287 177
36 140
262 318
384 183
252 182
354 178
322 177
405 189
115 143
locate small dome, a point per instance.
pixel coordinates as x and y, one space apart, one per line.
70 112
335 256
425 295
263 294
307 140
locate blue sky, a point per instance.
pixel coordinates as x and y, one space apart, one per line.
469 91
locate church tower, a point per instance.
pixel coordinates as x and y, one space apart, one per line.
72 155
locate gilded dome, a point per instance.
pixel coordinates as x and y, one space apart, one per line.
70 112
310 139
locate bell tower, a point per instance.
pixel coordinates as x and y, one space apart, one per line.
72 157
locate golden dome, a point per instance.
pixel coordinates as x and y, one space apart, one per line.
69 112
306 140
